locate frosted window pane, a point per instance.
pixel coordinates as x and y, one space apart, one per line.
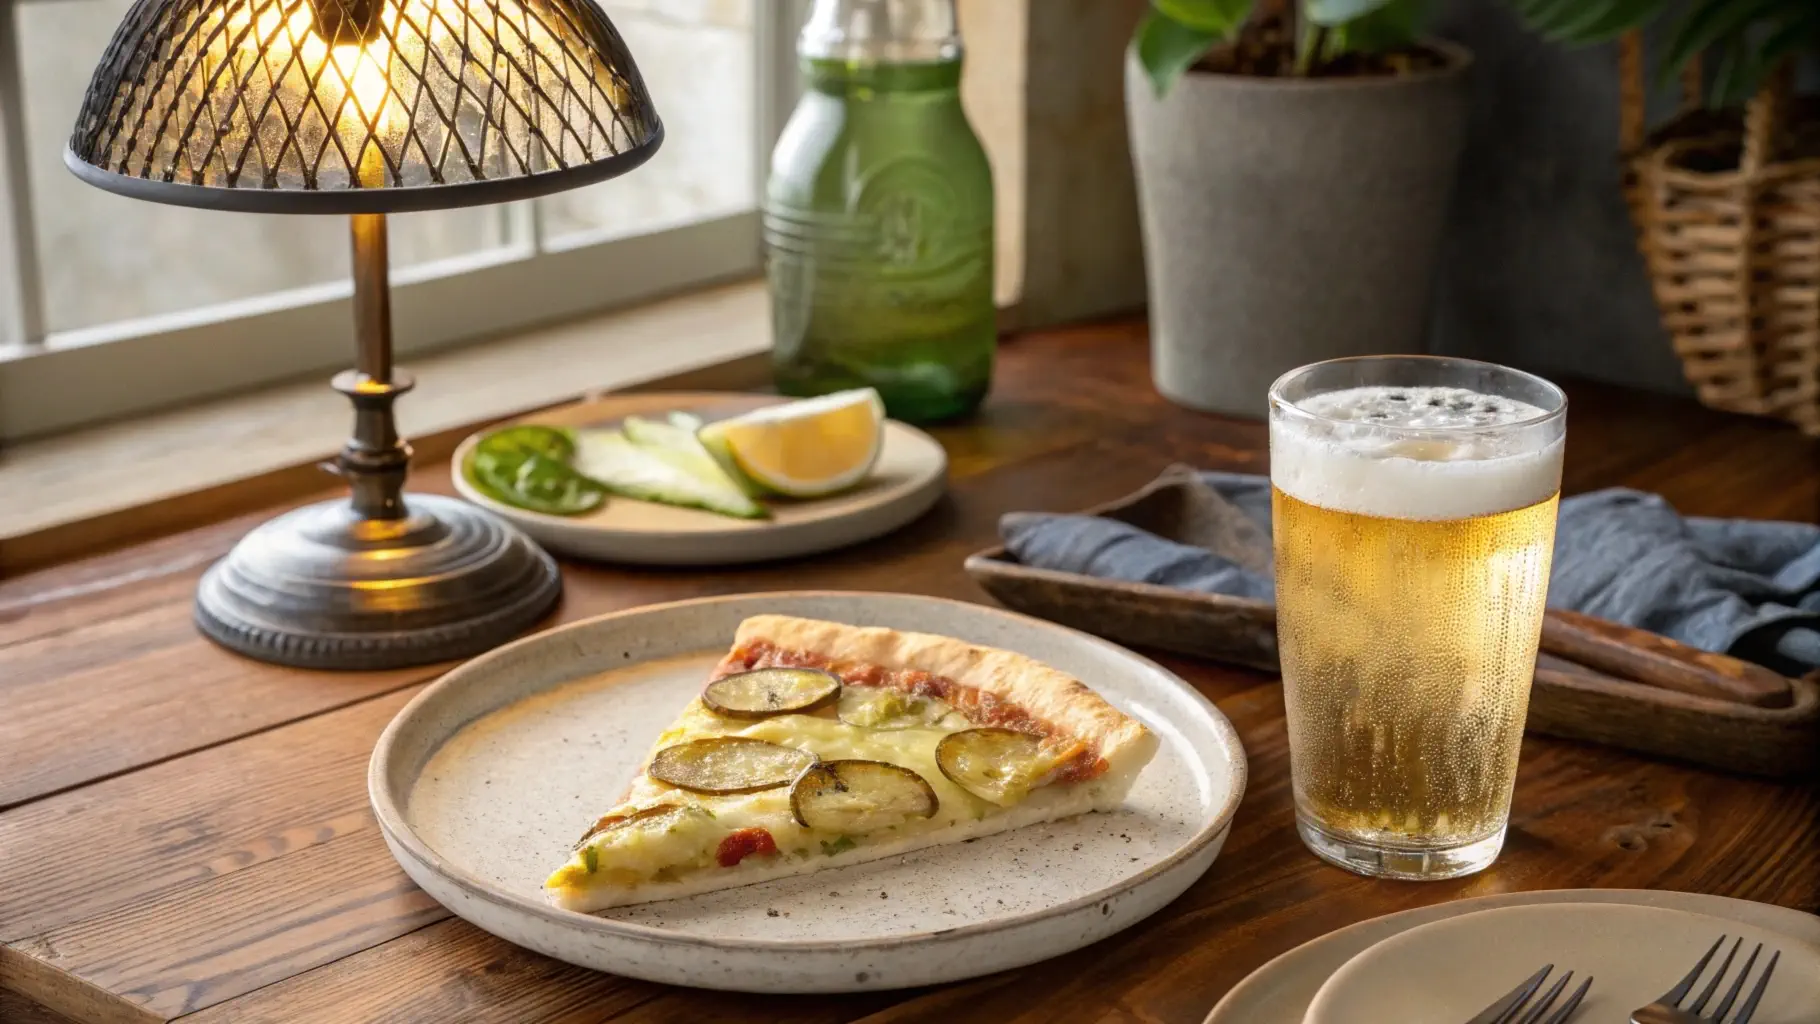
697 60
107 258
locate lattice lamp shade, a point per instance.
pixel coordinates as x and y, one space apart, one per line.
361 106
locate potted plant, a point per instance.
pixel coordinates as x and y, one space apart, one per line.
1726 194
1294 162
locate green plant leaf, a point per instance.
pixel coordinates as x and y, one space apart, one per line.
1338 12
1219 17
1550 17
1727 88
1714 23
1783 42
1394 26
1167 48
1598 21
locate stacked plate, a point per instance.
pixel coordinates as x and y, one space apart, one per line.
1446 963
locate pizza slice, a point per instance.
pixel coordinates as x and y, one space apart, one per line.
818 745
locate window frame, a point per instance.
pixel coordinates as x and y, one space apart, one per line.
57 381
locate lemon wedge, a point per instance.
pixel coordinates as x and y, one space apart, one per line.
804 449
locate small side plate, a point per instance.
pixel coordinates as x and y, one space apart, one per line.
1634 954
484 780
910 476
1280 991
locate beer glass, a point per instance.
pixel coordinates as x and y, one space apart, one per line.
1413 503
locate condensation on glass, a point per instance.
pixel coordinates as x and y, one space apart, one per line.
1413 513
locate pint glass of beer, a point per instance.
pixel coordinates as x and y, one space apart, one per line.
1413 504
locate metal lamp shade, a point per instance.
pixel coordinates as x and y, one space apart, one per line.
366 107
361 106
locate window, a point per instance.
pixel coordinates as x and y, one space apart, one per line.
111 306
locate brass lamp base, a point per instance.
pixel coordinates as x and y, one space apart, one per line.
323 587
384 579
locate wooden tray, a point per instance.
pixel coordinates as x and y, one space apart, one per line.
1595 680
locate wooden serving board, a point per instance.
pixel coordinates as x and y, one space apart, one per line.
1595 680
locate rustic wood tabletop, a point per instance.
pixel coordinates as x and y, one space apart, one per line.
185 834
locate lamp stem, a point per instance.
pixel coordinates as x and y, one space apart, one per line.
375 459
372 296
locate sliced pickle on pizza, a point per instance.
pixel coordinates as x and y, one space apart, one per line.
729 764
816 745
1000 766
854 797
764 692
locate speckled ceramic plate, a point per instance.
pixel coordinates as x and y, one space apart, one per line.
1281 991
1633 954
911 473
483 781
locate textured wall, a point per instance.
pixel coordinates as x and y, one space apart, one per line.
1082 254
992 91
1539 269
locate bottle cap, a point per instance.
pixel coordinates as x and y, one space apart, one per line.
881 31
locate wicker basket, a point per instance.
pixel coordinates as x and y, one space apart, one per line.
1730 230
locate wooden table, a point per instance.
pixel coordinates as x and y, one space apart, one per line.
185 834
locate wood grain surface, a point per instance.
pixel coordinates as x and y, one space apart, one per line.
186 834
1650 657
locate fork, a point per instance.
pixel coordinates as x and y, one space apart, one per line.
1505 1010
1666 1009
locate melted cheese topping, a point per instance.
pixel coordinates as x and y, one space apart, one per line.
670 848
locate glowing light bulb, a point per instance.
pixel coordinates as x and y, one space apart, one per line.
361 67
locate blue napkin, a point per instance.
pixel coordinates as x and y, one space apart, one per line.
1749 588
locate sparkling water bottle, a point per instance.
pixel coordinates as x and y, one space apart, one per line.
878 215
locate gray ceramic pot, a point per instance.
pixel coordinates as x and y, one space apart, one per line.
1289 221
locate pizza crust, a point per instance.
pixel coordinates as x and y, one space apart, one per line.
1052 696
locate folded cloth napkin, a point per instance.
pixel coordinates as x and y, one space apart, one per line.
1748 588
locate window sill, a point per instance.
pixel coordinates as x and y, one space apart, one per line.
76 493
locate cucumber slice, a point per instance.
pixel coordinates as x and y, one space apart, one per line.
685 445
650 473
716 447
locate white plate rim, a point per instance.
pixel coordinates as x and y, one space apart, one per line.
906 503
396 828
1671 898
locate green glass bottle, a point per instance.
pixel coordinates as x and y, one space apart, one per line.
878 215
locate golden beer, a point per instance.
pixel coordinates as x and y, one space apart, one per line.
1411 645
1414 523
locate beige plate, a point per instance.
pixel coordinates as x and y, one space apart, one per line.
1447 971
484 780
910 476
1281 991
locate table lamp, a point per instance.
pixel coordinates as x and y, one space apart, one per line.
366 107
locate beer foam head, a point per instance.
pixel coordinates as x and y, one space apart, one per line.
1385 451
